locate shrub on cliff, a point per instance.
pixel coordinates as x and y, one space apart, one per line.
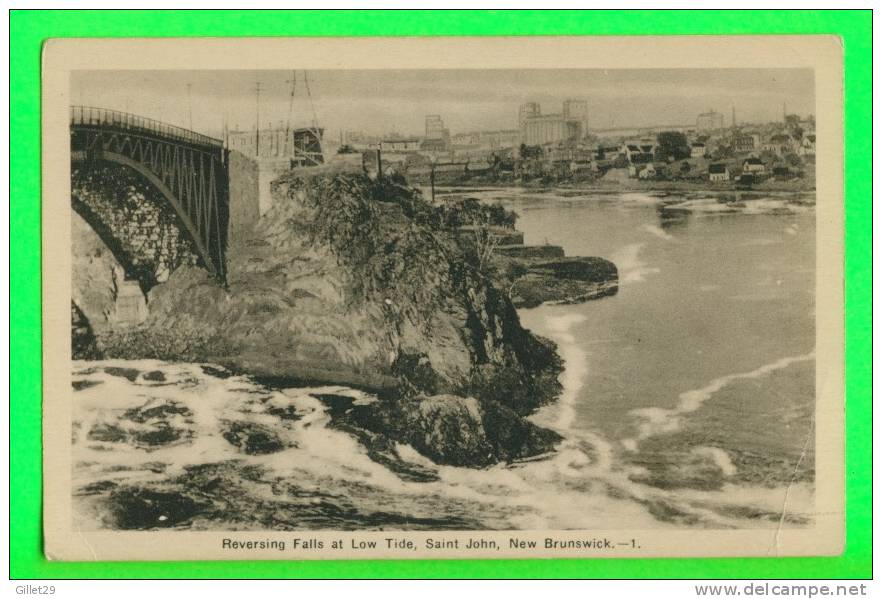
470 211
429 288
351 281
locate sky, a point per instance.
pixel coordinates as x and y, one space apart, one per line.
385 101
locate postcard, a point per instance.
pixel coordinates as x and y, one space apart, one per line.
514 297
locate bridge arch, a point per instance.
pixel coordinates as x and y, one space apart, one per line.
79 158
187 170
133 219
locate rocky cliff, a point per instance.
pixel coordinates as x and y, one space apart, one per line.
347 281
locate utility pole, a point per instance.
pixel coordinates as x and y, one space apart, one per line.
257 138
190 105
293 82
225 129
379 164
432 179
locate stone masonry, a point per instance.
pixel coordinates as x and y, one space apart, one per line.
134 220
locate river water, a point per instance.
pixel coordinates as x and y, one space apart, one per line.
688 399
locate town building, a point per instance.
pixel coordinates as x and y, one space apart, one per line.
640 151
607 150
433 146
718 172
403 144
527 111
540 129
779 144
754 166
697 150
577 110
489 140
745 180
550 129
359 140
435 129
569 153
647 172
782 173
807 147
745 143
709 120
583 166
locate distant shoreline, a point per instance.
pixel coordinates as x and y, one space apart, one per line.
656 187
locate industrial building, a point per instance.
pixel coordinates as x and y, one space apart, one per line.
709 120
570 125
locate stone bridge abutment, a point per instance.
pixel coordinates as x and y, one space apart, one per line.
147 199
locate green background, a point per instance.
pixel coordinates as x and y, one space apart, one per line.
29 29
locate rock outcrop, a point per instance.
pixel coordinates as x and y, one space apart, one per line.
534 280
347 280
449 429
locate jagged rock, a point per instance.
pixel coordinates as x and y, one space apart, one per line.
155 424
136 508
541 252
533 281
252 438
327 288
448 429
83 343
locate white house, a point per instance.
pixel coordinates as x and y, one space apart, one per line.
808 145
400 145
779 144
754 166
718 172
698 150
648 172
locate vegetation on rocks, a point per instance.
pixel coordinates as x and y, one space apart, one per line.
349 280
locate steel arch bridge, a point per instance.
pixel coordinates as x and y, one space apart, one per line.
190 170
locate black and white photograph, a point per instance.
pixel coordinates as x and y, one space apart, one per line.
516 303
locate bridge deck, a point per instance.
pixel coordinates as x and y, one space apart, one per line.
103 117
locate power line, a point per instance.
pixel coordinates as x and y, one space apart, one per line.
311 105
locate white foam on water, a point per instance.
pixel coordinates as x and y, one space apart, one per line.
719 457
575 370
572 489
636 197
631 268
657 231
752 206
579 486
704 205
797 499
656 421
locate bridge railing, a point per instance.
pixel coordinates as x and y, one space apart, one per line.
90 115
